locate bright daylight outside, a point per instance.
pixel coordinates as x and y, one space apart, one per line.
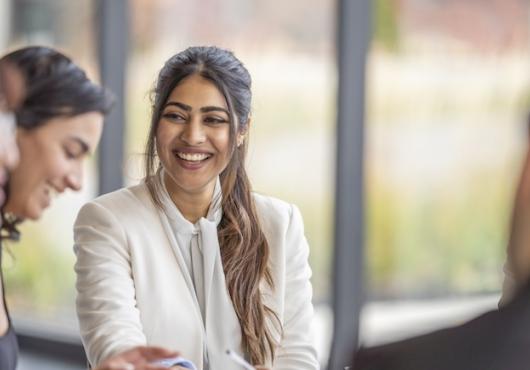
447 98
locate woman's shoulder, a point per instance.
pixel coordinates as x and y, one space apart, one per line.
271 206
125 193
124 201
275 215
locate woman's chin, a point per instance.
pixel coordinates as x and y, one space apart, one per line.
31 212
34 214
28 211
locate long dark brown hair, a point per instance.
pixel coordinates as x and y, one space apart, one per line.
244 249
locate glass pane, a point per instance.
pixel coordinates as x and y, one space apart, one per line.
448 96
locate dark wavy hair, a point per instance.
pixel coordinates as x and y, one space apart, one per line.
244 249
54 86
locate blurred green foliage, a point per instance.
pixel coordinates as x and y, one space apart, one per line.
445 241
39 271
385 26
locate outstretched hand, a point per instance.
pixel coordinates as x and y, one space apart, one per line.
138 358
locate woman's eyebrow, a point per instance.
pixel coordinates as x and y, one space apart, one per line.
188 108
214 109
178 104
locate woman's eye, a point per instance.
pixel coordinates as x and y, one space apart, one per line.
70 154
173 116
215 120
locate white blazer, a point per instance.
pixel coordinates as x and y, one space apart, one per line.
132 287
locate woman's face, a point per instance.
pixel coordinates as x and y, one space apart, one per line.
193 136
51 159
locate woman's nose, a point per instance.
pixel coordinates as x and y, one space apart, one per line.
193 133
74 180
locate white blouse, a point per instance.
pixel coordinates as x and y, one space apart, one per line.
199 245
190 238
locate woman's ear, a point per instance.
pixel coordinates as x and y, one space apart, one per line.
240 139
241 135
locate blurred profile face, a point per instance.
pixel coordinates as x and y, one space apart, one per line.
11 94
193 136
51 161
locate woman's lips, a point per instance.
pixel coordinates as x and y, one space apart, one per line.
191 165
193 156
46 201
191 159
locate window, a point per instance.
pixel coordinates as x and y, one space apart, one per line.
447 101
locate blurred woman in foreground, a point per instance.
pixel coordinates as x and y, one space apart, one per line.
59 118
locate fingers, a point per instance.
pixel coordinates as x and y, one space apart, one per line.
145 354
138 358
154 367
116 366
156 353
129 366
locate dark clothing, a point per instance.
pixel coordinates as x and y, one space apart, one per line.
8 342
8 350
497 340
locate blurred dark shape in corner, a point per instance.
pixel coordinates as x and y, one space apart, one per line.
496 340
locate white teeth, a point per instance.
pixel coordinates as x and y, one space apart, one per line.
193 157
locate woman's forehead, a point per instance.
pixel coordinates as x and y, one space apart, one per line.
196 92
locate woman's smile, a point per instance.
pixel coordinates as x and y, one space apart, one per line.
192 159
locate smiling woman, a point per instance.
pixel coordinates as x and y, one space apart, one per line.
59 123
191 258
51 161
192 142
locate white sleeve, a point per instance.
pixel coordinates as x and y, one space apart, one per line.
106 307
296 349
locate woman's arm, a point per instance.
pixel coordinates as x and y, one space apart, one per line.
106 306
296 349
